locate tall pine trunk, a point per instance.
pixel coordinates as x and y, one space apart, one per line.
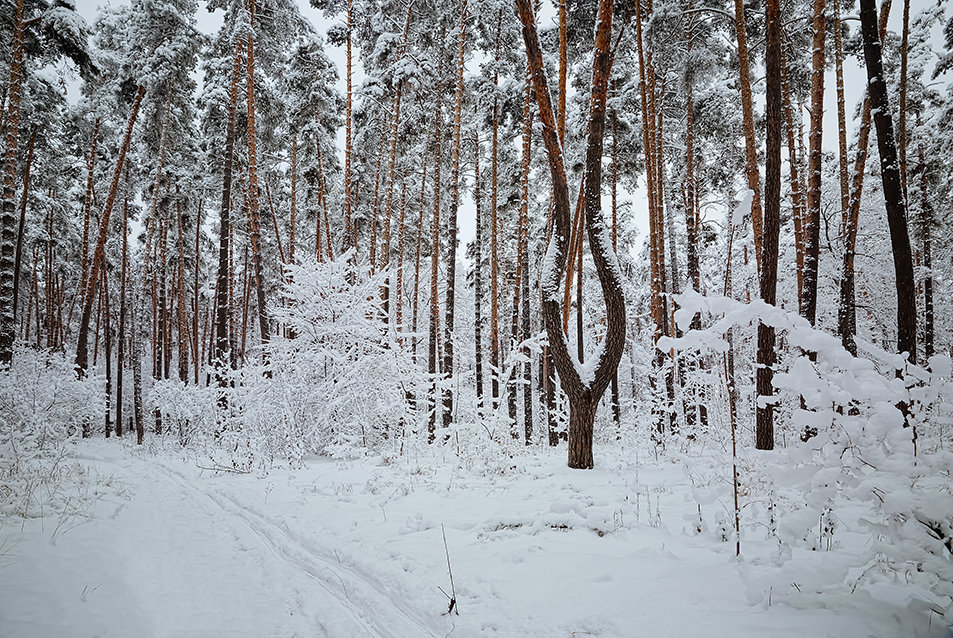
223 311
448 402
8 219
253 214
432 362
747 112
813 226
847 309
892 186
21 226
99 256
764 436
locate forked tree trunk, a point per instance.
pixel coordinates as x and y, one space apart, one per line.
764 435
584 395
892 185
99 256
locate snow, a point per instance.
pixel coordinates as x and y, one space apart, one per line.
355 548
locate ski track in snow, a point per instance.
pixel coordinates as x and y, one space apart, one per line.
356 592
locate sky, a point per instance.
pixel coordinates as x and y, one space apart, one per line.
855 79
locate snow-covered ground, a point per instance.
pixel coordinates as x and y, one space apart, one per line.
162 547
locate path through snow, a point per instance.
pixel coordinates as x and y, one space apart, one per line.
354 548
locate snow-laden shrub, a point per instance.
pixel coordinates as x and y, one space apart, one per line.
332 382
43 406
866 472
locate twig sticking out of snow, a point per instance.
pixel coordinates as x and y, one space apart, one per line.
453 608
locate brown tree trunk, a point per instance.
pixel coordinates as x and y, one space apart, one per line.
99 256
108 339
223 309
847 309
348 231
8 219
584 394
254 231
892 185
841 117
478 274
448 399
764 435
751 144
798 204
813 227
523 281
902 136
121 354
926 232
182 320
87 211
432 361
18 255
494 226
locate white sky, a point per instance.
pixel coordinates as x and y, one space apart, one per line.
855 79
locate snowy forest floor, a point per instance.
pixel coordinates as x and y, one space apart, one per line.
150 544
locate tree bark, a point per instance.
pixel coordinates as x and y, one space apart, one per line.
813 226
747 111
584 394
494 226
8 219
223 311
121 354
892 186
847 309
21 227
253 215
432 362
772 213
99 256
478 274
